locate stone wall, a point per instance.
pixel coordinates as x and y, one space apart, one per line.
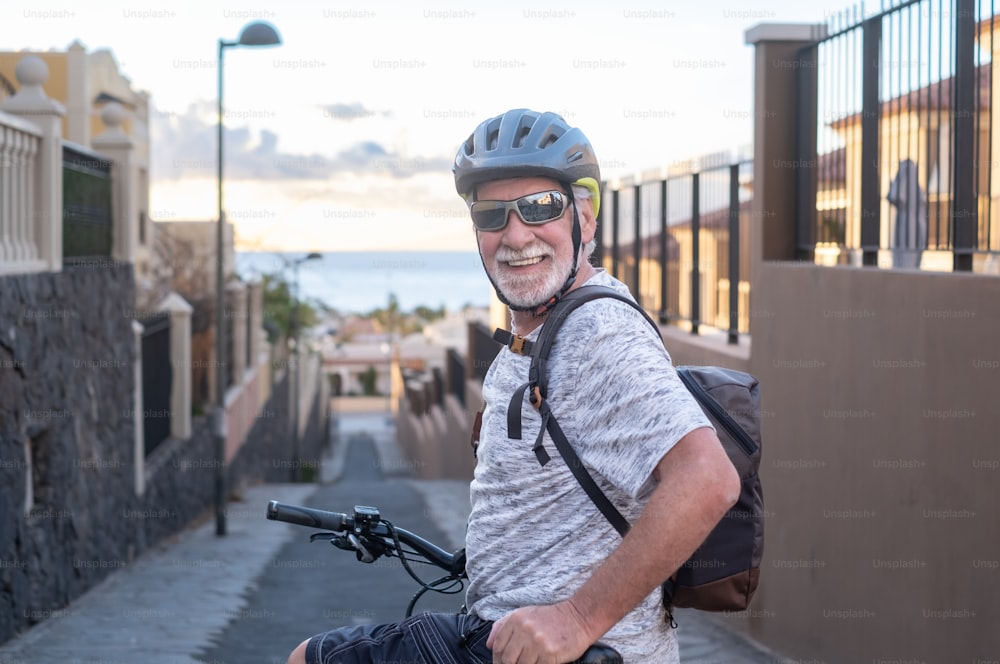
66 386
66 397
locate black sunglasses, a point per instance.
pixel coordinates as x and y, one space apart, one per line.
535 209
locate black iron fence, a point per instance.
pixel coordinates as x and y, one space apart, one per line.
895 139
482 350
87 204
157 379
681 242
455 374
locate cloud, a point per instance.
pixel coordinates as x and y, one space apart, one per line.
184 145
350 112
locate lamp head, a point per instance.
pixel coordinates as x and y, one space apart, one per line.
259 33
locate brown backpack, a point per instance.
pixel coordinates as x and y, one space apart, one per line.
722 575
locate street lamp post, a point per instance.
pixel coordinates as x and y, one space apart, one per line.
258 33
297 374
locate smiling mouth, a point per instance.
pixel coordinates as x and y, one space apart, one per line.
524 262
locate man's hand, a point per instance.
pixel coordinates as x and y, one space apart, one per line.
553 634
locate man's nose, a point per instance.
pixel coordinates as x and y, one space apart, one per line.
517 233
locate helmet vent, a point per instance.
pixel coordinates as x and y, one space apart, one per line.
549 139
492 135
522 133
576 156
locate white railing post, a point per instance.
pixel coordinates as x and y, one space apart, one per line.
236 314
180 362
115 144
78 97
33 209
255 303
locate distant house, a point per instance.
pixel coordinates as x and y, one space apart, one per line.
914 127
86 84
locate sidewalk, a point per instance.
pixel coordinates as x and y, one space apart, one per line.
177 600
172 600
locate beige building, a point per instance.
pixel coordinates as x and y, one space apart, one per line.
915 128
86 84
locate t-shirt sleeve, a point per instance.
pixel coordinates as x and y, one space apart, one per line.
630 407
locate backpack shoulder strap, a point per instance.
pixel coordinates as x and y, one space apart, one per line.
541 347
538 382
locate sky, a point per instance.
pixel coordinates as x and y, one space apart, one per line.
342 138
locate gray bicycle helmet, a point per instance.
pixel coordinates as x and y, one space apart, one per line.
521 143
524 143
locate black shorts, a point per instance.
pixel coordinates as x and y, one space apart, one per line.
428 638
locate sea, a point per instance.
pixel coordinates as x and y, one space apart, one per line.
361 281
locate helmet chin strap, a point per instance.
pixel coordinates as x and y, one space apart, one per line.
539 310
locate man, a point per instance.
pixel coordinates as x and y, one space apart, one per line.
548 575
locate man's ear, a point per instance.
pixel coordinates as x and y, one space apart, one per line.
588 224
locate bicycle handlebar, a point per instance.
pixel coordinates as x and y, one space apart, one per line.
309 517
454 563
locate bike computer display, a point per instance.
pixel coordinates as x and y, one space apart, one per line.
365 517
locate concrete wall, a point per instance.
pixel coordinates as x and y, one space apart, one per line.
436 445
880 471
880 464
690 349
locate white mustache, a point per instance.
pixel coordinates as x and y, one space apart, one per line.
537 250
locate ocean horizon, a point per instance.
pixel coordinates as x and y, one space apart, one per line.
360 281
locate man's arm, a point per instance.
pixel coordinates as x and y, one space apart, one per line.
697 484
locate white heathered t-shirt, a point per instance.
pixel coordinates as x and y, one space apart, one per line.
534 536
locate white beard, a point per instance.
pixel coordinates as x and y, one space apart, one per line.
529 290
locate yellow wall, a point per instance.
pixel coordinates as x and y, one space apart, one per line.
103 75
55 87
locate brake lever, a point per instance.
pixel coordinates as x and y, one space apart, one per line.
364 555
322 536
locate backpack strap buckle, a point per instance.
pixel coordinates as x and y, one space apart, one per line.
535 397
515 342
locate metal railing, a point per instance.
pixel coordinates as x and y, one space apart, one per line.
87 204
681 242
896 141
157 379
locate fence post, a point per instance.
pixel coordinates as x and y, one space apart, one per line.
964 209
119 148
733 336
614 234
637 242
598 255
777 65
255 327
180 360
78 97
664 263
870 117
139 439
695 252
31 103
236 314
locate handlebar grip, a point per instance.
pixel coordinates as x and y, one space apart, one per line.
600 653
306 516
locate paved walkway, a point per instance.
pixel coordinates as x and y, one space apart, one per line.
201 598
